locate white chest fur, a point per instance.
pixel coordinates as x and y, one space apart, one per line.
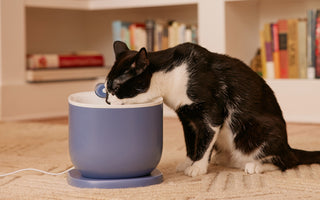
173 86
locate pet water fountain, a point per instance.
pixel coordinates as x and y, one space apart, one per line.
114 146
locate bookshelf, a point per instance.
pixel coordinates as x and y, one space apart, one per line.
102 5
58 26
225 26
298 98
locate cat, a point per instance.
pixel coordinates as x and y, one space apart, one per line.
222 104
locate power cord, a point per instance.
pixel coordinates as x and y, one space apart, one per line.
37 170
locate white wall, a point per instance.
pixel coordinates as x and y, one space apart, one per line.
58 31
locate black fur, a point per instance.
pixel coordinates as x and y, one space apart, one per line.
220 88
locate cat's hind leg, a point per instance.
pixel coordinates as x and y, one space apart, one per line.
258 167
254 163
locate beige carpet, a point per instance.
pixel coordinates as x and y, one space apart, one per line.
44 146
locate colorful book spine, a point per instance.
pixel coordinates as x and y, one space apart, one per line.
255 63
116 30
158 35
125 33
173 34
181 33
138 36
188 34
292 48
120 32
283 52
311 44
269 66
44 61
150 29
165 38
276 55
154 35
194 34
302 47
263 55
295 47
317 52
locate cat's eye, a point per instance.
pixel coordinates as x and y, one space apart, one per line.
112 87
133 65
128 71
116 88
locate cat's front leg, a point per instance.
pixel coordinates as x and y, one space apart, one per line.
203 146
189 136
200 137
184 165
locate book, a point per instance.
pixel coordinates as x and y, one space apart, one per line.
292 48
138 36
188 34
150 29
295 47
165 38
154 35
194 31
158 35
255 63
263 58
317 42
116 30
44 61
302 47
173 34
275 53
283 52
120 31
311 24
65 74
269 65
182 33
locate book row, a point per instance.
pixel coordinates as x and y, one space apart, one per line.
155 35
62 67
46 61
290 48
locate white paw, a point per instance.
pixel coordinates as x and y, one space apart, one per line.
184 165
253 168
196 169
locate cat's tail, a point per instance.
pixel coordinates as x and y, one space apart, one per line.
306 157
290 158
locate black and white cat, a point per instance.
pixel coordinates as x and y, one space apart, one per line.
222 104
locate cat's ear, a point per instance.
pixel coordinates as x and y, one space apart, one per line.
141 61
119 47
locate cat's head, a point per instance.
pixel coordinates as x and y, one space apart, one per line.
129 75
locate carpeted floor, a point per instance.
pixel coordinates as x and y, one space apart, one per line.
44 145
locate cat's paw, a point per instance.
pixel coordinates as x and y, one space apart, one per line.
196 169
253 168
184 165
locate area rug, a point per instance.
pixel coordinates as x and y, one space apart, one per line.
45 146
